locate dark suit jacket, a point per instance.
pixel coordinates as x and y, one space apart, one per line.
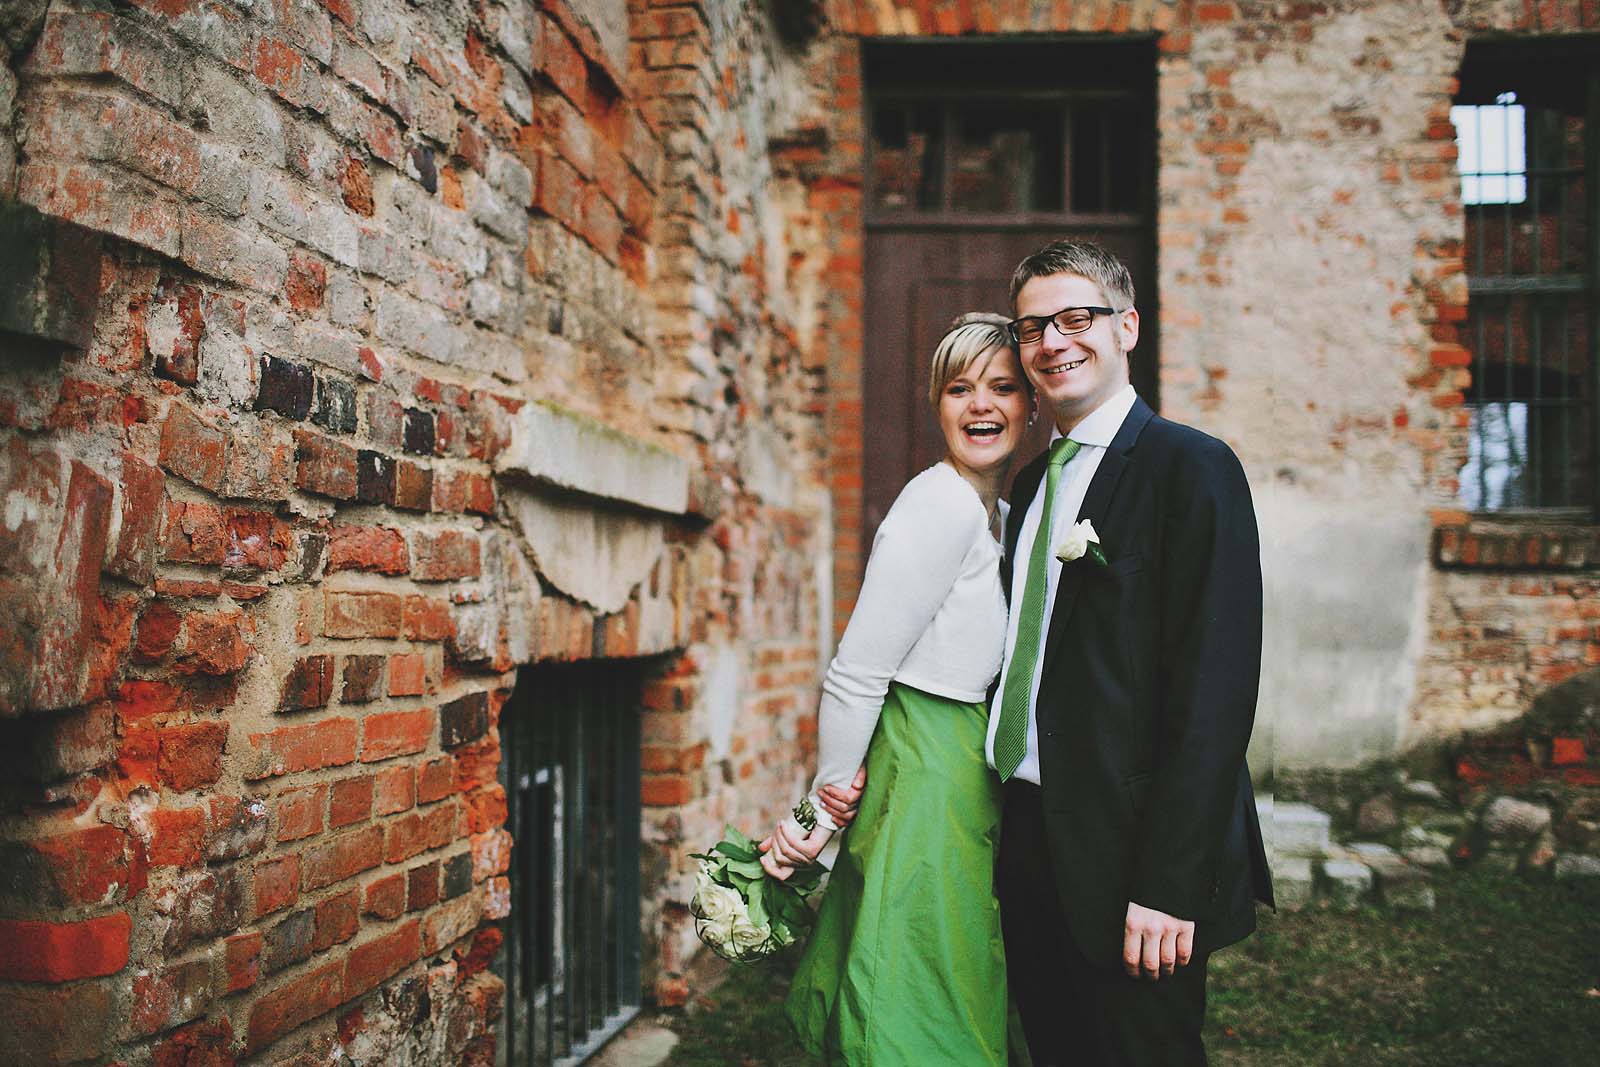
1147 691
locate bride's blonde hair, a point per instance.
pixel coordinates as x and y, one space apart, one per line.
969 336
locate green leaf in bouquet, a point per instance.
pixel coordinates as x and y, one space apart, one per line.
805 879
733 850
749 868
757 902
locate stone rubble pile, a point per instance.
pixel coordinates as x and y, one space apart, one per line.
1409 830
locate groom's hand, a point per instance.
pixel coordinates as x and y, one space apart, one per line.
841 801
1154 943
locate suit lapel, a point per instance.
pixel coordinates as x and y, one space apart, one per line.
1096 502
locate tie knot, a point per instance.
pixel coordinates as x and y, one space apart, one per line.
1062 450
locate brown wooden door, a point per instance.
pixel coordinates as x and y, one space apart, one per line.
963 182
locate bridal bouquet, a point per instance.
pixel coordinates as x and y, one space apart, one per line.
742 913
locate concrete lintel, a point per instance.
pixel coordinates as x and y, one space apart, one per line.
569 451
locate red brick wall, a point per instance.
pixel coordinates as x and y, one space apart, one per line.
264 598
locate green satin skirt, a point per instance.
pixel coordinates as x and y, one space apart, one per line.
905 964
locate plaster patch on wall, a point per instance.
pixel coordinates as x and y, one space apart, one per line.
1341 644
719 700
595 556
766 465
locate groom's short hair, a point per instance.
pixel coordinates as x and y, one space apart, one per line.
1083 258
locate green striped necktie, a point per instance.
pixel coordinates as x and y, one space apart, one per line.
1011 735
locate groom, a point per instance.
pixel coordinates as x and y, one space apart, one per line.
1129 848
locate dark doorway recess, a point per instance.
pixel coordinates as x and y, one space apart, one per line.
569 739
976 155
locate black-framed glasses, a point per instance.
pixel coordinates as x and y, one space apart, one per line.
1030 328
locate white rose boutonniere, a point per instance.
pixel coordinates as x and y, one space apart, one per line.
1081 541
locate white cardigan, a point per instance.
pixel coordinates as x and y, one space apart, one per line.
931 615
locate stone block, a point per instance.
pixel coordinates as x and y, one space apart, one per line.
1298 830
1347 884
1508 818
1377 815
1293 882
1570 865
571 452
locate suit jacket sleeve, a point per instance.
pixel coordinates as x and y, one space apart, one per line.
1209 670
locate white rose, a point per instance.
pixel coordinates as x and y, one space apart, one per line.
716 903
747 935
1076 542
716 934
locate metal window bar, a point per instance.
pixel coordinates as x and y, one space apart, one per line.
570 766
1519 297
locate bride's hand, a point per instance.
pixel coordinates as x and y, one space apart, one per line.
789 846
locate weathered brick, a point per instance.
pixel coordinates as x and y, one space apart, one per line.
309 684
422 886
396 733
408 674
290 749
335 407
427 618
351 613
396 790
177 837
194 533
177 995
193 449
288 941
56 1023
242 961
363 676
457 875
445 556
325 466
485 808
308 279
158 630
351 801
413 486
285 387
238 827
419 431
463 719
257 540
214 643
296 1002
421 830
202 905
383 957
386 897
435 780
143 487
277 884
367 548
337 919
299 812
191 756
342 857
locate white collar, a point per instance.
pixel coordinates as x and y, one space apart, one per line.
1100 426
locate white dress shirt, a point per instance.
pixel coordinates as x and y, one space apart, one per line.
931 614
1094 435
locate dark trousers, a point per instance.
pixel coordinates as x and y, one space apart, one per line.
1075 1012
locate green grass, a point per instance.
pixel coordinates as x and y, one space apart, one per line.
1499 974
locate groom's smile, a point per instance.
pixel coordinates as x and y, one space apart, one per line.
1075 372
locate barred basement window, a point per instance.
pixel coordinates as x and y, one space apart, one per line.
569 739
1525 121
